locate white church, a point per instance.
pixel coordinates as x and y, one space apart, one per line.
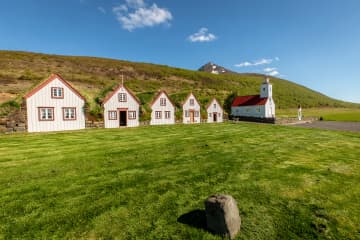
255 106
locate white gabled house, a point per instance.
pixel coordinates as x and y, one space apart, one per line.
163 110
121 108
191 110
214 112
255 106
54 105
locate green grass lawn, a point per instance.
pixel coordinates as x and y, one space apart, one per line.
328 114
290 183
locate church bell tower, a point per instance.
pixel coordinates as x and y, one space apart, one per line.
266 89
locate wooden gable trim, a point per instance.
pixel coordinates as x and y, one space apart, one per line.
109 96
209 104
49 80
158 96
189 97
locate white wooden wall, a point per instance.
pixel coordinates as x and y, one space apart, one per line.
270 108
214 108
156 107
187 107
113 104
42 98
249 111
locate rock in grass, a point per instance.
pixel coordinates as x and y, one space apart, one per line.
222 215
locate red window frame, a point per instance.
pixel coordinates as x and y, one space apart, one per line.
192 102
109 115
57 97
131 115
162 101
44 120
69 119
120 99
158 114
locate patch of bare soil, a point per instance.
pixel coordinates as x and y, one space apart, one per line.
330 125
4 97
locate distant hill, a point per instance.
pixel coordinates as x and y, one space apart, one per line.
215 69
95 77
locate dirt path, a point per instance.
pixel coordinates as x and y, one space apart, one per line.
329 125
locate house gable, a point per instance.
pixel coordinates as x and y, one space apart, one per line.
114 93
48 81
157 98
191 95
210 104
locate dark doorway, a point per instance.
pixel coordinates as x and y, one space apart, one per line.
215 117
123 118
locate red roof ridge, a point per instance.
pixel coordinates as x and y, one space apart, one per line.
191 93
52 77
110 95
158 96
208 105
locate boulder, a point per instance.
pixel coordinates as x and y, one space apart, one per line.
222 215
10 124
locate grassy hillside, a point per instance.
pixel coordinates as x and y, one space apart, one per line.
95 77
142 182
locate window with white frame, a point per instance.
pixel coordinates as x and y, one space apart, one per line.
157 114
209 114
191 102
162 101
122 97
69 113
186 113
167 114
112 115
196 113
215 105
46 113
57 92
219 114
132 114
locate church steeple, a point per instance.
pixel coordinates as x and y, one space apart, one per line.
266 89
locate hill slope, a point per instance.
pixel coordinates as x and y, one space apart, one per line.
95 77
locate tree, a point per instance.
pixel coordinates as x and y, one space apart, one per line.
228 101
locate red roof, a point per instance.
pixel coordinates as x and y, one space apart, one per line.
50 79
248 101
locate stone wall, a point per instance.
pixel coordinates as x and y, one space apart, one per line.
293 120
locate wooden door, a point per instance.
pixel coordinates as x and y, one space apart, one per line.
192 116
214 117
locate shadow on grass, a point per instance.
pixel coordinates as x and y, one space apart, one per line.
195 218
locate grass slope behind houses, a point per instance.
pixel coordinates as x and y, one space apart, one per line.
95 77
290 183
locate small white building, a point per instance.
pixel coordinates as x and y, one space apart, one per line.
191 110
54 105
121 108
163 110
256 106
214 112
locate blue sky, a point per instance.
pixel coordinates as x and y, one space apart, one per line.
315 43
